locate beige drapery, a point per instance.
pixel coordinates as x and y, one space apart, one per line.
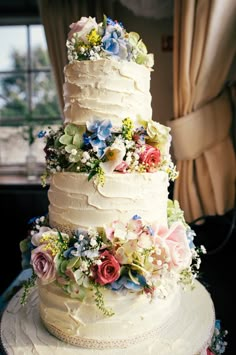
204 47
56 16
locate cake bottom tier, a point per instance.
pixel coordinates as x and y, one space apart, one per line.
187 332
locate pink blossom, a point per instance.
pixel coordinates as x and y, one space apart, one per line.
150 157
109 269
179 250
82 27
122 167
43 264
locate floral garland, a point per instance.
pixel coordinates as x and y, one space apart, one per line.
89 40
99 148
218 343
132 257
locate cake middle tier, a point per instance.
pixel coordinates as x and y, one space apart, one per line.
76 202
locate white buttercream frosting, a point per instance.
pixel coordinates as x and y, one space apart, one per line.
106 89
76 202
135 316
188 331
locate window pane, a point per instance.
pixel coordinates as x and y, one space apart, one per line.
13 97
13 47
44 98
39 50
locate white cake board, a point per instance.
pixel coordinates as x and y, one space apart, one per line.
188 333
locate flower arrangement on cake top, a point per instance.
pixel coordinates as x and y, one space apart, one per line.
100 149
124 257
89 40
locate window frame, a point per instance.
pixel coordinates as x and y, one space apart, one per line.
29 71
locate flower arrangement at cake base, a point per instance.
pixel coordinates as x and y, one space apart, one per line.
135 257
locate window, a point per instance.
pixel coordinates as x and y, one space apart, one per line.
28 99
27 86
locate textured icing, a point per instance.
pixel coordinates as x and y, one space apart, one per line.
106 89
132 318
77 202
22 331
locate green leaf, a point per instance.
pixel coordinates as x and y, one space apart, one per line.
63 266
78 140
142 47
140 58
72 262
91 174
66 139
104 21
24 245
70 147
133 38
71 129
57 143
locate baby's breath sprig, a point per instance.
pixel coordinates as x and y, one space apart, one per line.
99 300
28 284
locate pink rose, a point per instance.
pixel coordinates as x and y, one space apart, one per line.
109 269
82 27
150 157
176 240
43 264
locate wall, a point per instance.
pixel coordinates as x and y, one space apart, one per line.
151 31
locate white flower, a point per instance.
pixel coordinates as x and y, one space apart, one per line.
114 155
35 240
159 135
73 151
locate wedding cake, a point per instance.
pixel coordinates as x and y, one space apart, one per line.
113 253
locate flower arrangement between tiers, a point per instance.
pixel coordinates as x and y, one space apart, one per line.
124 257
89 40
99 149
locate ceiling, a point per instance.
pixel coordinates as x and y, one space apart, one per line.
22 11
16 11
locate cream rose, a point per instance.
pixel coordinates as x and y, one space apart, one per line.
83 27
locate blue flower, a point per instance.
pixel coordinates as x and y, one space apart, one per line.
150 230
110 22
33 219
126 282
135 217
101 130
190 236
41 134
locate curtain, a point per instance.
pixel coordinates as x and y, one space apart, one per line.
204 48
56 16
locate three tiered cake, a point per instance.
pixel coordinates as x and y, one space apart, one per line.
114 253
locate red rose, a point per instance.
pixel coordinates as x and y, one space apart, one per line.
109 269
150 157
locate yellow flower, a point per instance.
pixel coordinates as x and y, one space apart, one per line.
94 38
54 241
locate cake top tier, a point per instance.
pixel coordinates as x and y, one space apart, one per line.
89 40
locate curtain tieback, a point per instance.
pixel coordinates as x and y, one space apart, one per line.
201 129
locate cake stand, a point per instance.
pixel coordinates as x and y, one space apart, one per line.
189 332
